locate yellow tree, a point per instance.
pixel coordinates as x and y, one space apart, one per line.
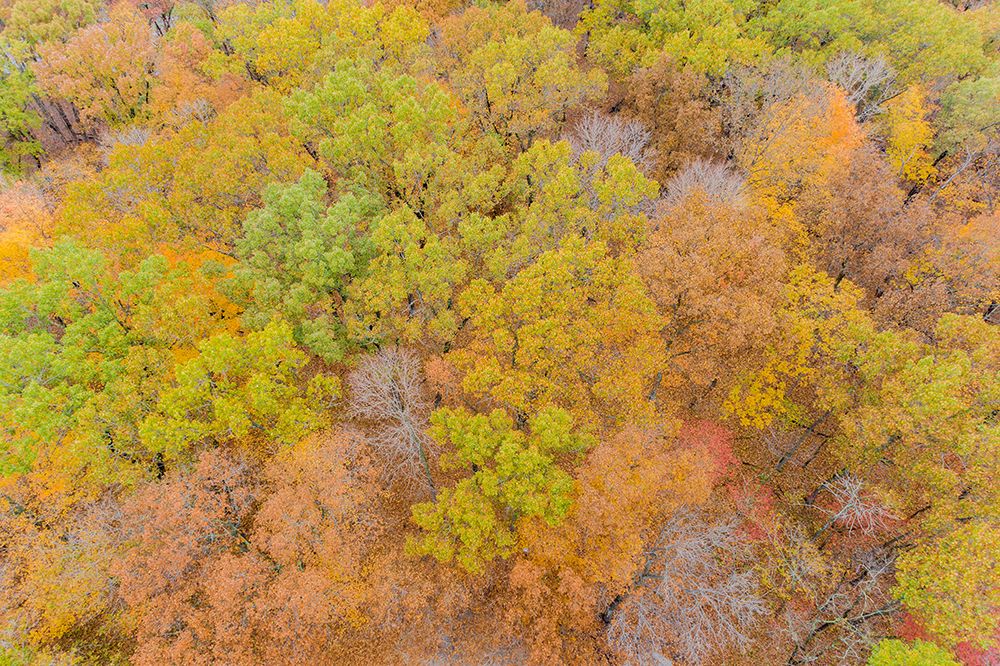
291 44
574 329
514 70
187 188
27 223
909 135
800 143
552 194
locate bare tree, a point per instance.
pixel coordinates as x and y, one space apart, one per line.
610 135
387 391
697 594
130 136
563 13
848 616
854 509
717 181
868 81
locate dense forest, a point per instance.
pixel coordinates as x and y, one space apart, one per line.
432 332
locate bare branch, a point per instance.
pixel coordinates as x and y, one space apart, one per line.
703 599
387 391
854 510
610 135
717 181
868 82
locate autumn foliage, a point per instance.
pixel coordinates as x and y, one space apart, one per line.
501 332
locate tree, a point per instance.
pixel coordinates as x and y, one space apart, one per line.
386 390
968 118
846 604
749 95
286 45
388 132
318 523
609 136
188 86
56 572
948 584
105 70
84 354
802 142
176 528
18 121
514 70
868 81
254 565
297 258
550 196
707 35
160 13
407 292
27 223
918 653
923 409
574 329
923 39
815 317
909 135
34 22
853 508
568 579
514 477
695 600
714 265
276 43
860 226
189 188
237 388
673 103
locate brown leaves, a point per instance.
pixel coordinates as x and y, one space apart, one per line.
714 265
212 579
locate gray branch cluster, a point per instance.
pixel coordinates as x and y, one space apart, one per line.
703 596
387 391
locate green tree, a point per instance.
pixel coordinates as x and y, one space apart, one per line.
385 131
85 352
707 35
950 584
406 294
297 257
552 194
923 39
17 122
919 419
240 388
514 476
